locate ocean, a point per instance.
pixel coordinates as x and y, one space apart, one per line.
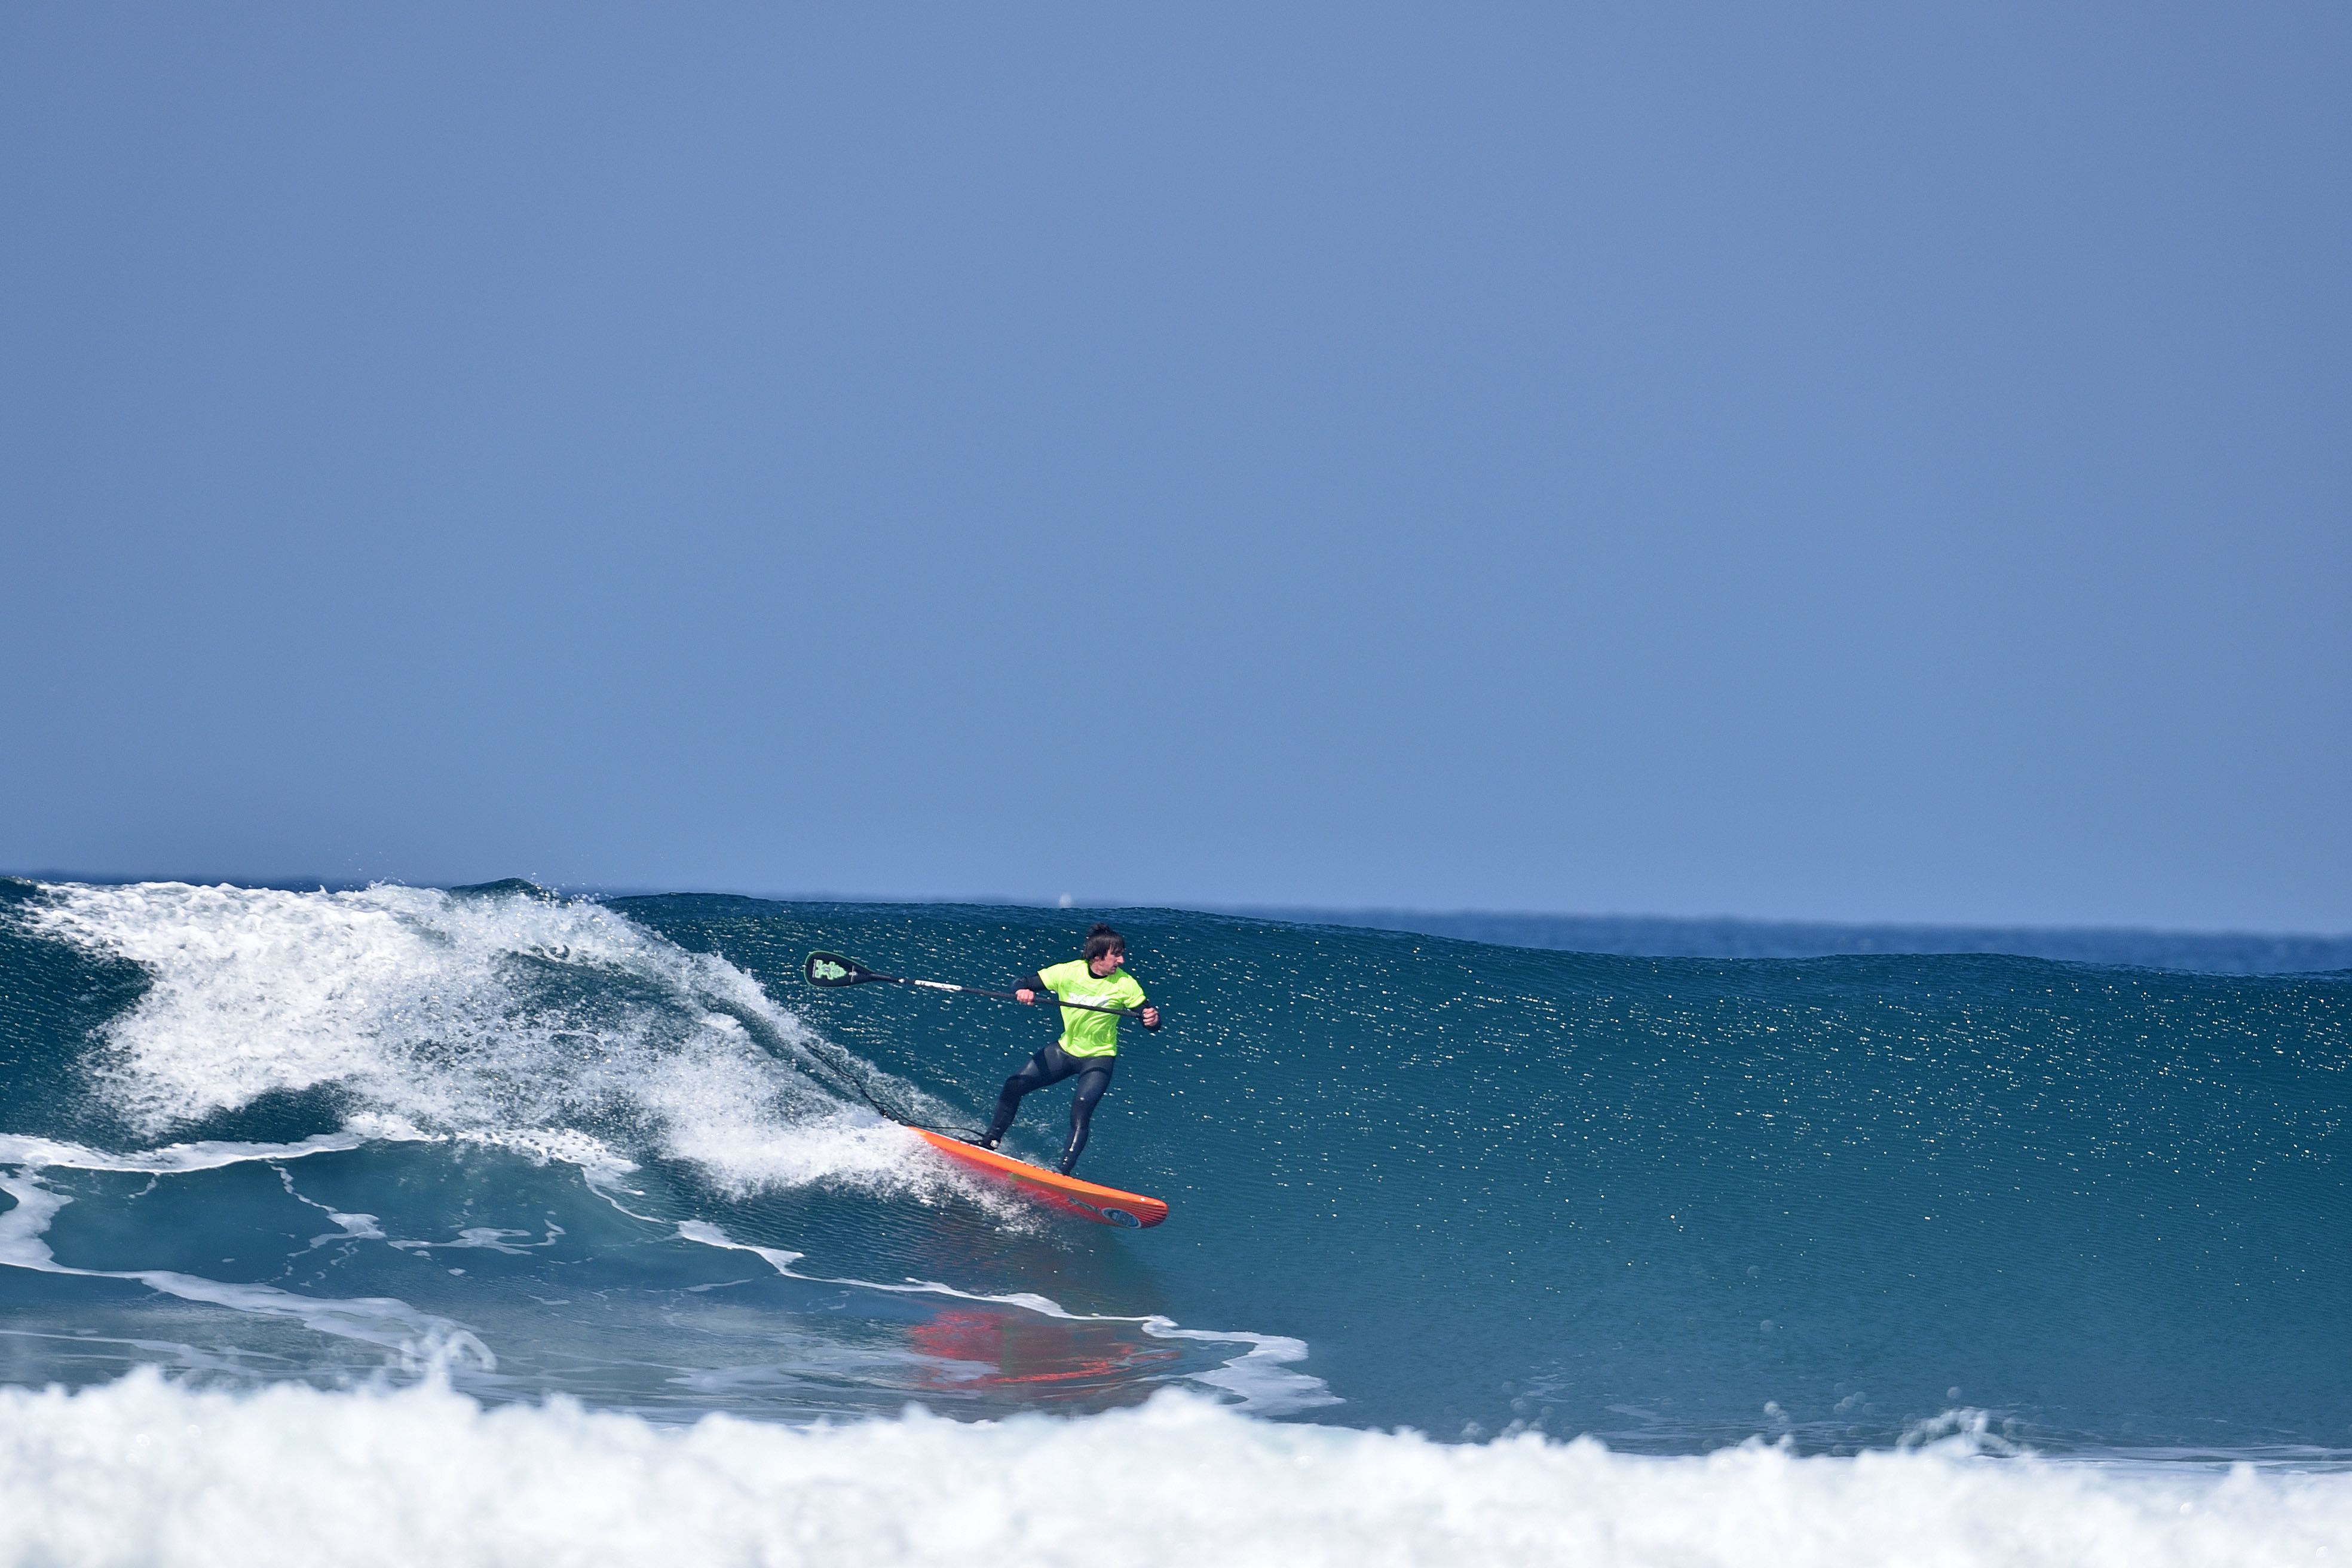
491 1224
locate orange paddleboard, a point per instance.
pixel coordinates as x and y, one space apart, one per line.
1104 1205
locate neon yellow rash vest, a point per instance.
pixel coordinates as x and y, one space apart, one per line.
1091 1034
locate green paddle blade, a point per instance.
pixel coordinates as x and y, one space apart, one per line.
832 969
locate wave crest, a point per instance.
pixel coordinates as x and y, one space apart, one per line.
498 1013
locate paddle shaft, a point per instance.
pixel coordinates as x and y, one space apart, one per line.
1002 996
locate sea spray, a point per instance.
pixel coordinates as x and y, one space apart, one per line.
143 1471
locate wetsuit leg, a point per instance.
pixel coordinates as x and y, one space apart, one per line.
1094 1078
1048 1066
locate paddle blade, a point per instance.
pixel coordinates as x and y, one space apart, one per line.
832 969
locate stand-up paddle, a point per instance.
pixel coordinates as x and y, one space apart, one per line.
830 969
1089 1200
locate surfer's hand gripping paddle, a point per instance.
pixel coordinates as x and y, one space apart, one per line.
831 969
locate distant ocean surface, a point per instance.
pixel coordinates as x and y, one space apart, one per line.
1653 936
489 1224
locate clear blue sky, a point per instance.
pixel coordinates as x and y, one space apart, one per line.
1850 463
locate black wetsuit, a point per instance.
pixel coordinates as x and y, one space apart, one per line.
1051 1066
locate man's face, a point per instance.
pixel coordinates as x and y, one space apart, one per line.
1107 963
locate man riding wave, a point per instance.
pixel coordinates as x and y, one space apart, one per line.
1088 1048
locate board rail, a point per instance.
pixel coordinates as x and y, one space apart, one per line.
1087 1200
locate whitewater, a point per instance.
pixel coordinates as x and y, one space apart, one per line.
478 1225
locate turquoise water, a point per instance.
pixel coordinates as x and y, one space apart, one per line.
619 1151
1647 1199
487 1227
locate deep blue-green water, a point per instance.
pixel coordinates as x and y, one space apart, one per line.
617 1150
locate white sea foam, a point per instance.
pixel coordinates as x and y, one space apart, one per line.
176 1158
1261 1377
449 1013
145 1471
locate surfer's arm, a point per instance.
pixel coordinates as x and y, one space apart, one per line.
1025 989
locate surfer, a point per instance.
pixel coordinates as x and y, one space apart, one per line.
1088 1048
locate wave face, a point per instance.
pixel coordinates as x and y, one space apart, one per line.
525 1147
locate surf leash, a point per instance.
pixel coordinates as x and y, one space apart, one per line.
881 1111
830 970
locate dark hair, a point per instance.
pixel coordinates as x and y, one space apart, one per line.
1103 939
